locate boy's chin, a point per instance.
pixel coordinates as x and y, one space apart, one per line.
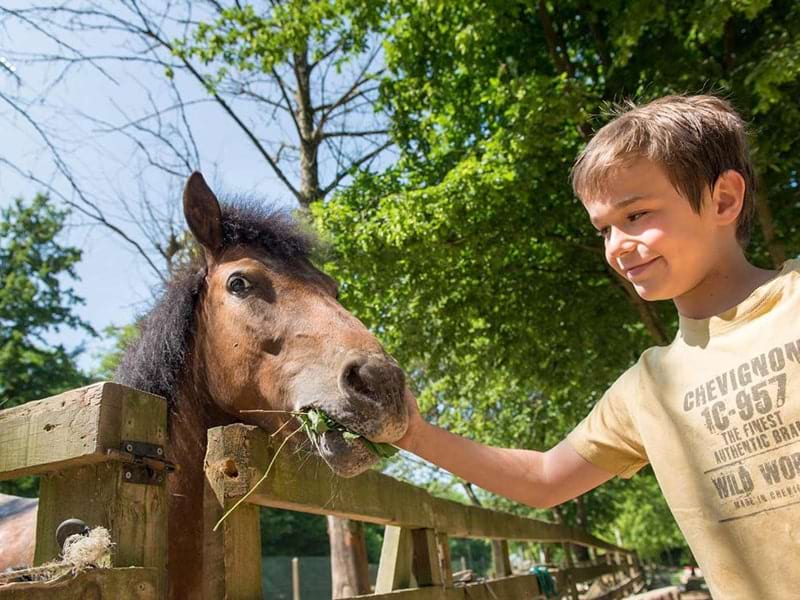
652 293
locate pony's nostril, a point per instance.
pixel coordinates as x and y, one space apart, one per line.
355 381
379 380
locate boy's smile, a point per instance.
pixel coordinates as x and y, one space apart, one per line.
667 251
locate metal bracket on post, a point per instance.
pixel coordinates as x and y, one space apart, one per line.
145 463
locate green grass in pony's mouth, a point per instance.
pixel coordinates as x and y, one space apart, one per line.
313 422
316 422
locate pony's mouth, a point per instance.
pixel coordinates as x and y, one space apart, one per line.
346 458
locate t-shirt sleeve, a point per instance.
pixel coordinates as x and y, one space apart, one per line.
608 437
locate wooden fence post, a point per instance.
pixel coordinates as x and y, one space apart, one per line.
232 554
107 493
500 558
573 590
446 565
296 578
426 567
394 570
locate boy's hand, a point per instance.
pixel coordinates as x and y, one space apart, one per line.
415 420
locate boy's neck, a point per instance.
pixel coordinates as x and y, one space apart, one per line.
730 282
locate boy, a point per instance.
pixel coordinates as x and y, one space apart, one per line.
670 187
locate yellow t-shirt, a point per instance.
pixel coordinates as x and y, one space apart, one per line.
717 414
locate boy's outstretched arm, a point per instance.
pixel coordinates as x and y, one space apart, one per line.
541 479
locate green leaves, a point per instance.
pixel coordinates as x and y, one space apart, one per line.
470 257
248 39
35 299
315 422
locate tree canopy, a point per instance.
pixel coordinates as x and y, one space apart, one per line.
36 272
472 258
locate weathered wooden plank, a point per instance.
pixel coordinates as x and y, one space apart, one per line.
580 574
624 589
395 567
426 593
69 430
99 493
131 583
516 587
48 434
426 566
377 498
446 564
500 558
232 554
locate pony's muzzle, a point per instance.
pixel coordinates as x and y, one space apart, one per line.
374 385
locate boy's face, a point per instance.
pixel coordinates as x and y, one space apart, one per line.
652 236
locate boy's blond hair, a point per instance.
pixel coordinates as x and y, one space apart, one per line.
693 138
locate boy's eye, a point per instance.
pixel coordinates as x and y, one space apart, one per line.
636 216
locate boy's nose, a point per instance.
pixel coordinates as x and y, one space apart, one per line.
618 244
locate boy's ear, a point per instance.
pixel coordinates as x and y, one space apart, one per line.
203 215
727 197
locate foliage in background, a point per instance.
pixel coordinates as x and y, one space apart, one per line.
470 256
312 66
36 300
290 533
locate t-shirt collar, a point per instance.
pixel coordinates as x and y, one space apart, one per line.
747 310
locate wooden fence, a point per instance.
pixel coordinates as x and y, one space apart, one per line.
91 445
86 444
415 560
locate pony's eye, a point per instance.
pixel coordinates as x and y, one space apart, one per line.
238 285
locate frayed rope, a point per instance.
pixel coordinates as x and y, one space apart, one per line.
81 552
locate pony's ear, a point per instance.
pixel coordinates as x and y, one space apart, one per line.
202 212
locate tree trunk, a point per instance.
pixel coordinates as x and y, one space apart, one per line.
349 570
309 144
581 553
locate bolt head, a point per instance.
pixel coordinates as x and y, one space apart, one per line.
68 528
128 474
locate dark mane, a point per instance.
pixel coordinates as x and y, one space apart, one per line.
155 362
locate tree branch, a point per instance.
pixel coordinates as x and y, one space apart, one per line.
93 211
342 174
555 45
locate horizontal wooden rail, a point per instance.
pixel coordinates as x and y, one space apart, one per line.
627 587
74 429
585 573
304 483
131 583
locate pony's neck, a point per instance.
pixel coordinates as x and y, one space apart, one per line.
191 414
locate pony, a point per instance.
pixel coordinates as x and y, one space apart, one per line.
248 325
